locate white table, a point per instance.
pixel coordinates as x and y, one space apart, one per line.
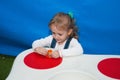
84 65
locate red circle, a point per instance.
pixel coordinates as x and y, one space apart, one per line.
110 67
37 61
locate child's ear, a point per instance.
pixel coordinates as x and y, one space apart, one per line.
70 31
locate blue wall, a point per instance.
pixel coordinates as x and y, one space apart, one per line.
23 21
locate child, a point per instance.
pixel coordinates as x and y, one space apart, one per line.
63 39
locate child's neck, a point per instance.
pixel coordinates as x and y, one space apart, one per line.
60 43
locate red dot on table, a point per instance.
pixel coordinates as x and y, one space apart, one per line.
37 61
110 67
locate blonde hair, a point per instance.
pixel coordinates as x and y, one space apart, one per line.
66 22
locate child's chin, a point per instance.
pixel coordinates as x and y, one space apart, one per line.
59 42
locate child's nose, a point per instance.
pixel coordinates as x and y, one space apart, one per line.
56 37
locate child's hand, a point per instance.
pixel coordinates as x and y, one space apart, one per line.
55 54
41 50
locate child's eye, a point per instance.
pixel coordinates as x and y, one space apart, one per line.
60 34
53 32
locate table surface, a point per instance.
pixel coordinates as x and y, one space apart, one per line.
87 64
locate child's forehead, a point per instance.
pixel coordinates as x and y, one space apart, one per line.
56 29
59 27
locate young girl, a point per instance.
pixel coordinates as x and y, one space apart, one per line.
63 39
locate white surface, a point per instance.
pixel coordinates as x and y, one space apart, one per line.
84 65
72 75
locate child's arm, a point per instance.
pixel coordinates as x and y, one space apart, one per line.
39 45
42 42
74 49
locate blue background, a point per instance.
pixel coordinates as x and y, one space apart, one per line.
23 21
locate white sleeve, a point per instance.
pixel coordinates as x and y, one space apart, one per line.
42 42
74 49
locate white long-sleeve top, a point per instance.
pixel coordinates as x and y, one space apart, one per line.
74 48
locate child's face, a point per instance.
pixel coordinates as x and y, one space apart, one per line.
60 35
